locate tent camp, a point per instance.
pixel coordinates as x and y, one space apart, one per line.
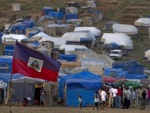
147 53
145 22
118 38
77 22
72 10
76 36
108 26
91 4
68 48
24 87
83 83
11 38
96 32
124 28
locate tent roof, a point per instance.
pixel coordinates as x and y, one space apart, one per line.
142 22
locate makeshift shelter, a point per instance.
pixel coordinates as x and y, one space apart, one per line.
75 22
76 36
73 4
24 87
6 64
9 50
118 38
71 16
56 15
71 58
132 84
57 29
84 84
91 4
32 31
68 48
108 26
46 10
143 22
72 10
147 53
145 82
112 79
96 32
11 38
1 38
124 28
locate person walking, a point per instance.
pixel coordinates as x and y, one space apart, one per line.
110 97
103 96
42 96
114 94
80 101
96 100
127 96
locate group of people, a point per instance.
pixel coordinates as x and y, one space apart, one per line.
121 98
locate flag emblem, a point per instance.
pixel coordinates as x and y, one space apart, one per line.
35 63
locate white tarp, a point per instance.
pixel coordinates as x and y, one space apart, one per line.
91 4
142 22
76 36
12 37
94 65
73 10
94 30
68 48
57 40
119 38
124 28
147 53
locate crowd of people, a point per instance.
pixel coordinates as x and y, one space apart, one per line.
120 98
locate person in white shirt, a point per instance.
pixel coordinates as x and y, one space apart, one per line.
80 101
127 97
96 100
103 98
110 97
114 94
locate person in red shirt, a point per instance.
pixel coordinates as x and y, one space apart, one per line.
119 94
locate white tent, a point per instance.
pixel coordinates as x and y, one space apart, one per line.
96 32
76 36
12 38
142 22
119 38
147 53
68 48
124 28
73 10
58 41
91 4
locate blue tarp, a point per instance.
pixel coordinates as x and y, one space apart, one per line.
6 62
28 24
84 83
135 76
132 67
56 15
86 39
117 72
9 50
46 10
72 57
1 38
6 76
71 16
33 33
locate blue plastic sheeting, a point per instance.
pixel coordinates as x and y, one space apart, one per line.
85 81
46 10
135 76
114 45
70 58
56 15
28 24
117 73
9 50
131 67
86 39
71 16
6 76
87 97
33 33
6 62
1 38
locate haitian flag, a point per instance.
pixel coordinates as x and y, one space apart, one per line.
31 63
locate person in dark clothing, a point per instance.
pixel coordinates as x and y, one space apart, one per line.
143 100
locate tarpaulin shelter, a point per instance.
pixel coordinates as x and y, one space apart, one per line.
143 22
132 84
71 16
71 57
1 38
6 64
9 50
46 10
84 84
56 15
72 10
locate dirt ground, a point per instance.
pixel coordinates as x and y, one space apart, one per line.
14 109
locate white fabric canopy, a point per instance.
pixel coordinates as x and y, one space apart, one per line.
119 38
95 31
142 22
76 36
147 53
124 28
73 10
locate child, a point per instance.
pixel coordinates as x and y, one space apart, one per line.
25 102
80 101
96 100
